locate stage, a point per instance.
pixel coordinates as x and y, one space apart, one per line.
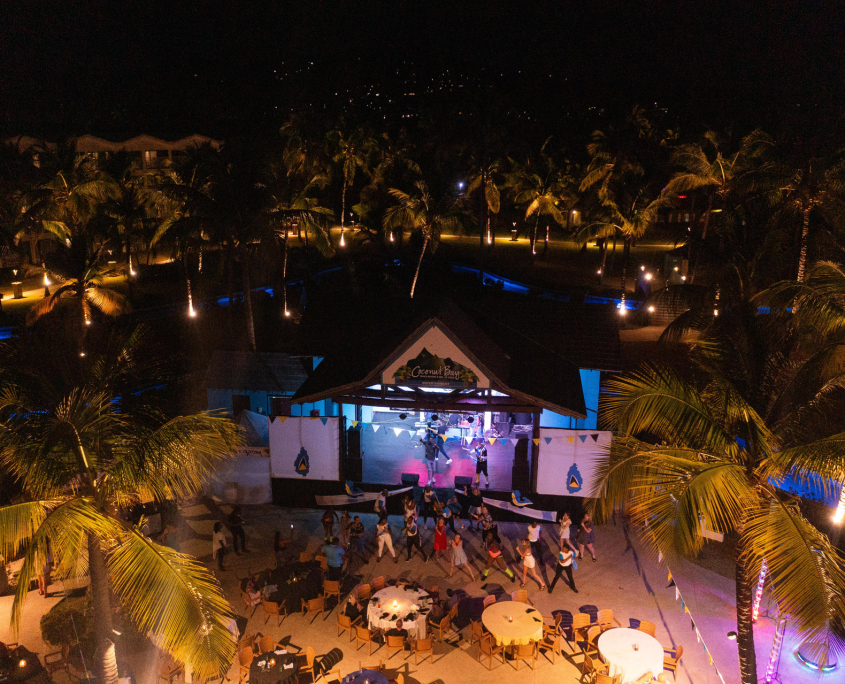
386 456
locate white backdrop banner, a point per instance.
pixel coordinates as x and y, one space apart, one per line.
567 460
307 448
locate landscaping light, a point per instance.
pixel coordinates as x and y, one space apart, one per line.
774 656
391 236
651 309
642 268
648 276
342 241
287 313
839 516
732 636
676 268
599 271
683 277
22 663
715 312
758 595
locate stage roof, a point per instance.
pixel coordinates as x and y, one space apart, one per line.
532 373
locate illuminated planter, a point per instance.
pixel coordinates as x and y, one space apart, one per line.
802 654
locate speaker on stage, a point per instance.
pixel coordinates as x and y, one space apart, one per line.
462 481
524 418
410 479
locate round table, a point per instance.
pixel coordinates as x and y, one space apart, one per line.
275 667
364 676
397 603
513 623
616 647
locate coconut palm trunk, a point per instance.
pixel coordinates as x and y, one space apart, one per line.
534 236
604 252
105 662
419 264
744 625
626 251
805 235
343 208
546 243
250 321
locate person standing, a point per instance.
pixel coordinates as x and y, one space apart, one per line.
565 539
410 507
495 557
451 511
564 564
487 523
345 522
440 541
334 559
381 503
356 539
480 452
586 537
412 532
329 516
428 500
475 502
384 539
218 544
459 557
534 531
528 563
431 451
236 527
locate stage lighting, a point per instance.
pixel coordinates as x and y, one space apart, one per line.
435 417
402 416
471 420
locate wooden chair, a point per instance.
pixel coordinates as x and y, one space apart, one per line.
58 660
648 627
315 605
602 678
270 609
593 635
671 661
170 670
245 656
363 635
395 644
553 643
400 679
331 588
324 566
434 592
453 612
605 619
377 667
592 666
377 583
442 628
307 663
521 596
331 676
423 648
525 652
344 622
487 649
552 630
489 600
246 641
476 631
363 592
402 582
305 557
266 644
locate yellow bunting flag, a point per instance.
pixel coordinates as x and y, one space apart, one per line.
282 418
536 442
443 437
492 440
670 576
571 439
354 423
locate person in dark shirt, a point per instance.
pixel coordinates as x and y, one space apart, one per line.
475 501
236 527
356 540
397 631
413 538
353 609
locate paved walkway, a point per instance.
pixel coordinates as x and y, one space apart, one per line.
623 578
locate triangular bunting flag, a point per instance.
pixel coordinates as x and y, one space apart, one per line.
698 636
354 423
659 556
397 431
492 440
571 439
710 657
536 442
683 606
677 594
272 418
583 438
692 623
313 417
514 441
671 583
503 441
375 427
548 440
324 420
670 576
595 437
443 437
686 610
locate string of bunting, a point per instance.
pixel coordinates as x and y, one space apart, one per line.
686 610
360 425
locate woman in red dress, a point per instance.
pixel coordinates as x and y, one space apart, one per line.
440 542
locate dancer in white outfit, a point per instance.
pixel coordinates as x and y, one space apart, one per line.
384 539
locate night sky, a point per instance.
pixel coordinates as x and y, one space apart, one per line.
174 68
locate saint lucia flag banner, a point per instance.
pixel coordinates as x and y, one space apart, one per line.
568 459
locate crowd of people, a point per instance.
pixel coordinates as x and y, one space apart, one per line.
447 542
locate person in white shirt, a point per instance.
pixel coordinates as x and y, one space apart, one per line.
534 531
564 564
384 539
566 533
218 544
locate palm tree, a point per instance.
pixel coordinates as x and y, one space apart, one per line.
483 183
540 187
419 213
352 152
82 270
84 445
699 443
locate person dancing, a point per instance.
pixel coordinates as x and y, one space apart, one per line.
528 563
494 557
459 557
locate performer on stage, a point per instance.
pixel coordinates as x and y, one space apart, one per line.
432 448
479 454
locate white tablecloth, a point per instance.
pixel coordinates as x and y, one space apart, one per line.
513 622
616 646
406 601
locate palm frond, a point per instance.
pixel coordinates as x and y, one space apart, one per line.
108 301
175 599
18 523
